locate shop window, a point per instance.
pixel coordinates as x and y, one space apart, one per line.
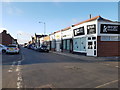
90 45
94 52
114 38
93 38
105 38
94 44
89 38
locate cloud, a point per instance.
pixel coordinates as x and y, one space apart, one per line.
10 9
14 10
23 36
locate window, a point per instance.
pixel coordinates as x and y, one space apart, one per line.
105 38
94 52
93 38
94 44
90 45
89 38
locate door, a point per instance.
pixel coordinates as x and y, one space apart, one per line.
91 47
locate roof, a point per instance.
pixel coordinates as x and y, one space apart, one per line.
94 18
65 28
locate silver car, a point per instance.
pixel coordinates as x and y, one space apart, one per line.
12 49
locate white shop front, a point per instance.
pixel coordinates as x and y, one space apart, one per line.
85 37
67 42
58 41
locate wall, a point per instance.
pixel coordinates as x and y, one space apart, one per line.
6 38
108 48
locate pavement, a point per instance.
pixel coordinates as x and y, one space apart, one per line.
32 69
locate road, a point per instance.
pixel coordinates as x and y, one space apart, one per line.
32 69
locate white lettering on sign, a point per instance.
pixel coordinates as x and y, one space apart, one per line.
110 28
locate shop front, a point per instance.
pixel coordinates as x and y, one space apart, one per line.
108 39
52 42
58 41
67 42
79 39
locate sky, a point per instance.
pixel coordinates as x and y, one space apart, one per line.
21 19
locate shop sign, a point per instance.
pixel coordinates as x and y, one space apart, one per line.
91 29
110 29
79 31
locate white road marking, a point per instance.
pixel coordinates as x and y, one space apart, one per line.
100 86
9 70
12 66
116 66
19 78
18 69
19 85
19 74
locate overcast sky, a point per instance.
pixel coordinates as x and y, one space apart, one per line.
21 18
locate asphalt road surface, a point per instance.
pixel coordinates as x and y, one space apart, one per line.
32 69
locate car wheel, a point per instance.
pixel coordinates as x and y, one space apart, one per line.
3 51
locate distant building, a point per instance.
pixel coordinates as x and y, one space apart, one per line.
6 39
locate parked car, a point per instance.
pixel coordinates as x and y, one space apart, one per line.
12 49
43 48
29 46
3 48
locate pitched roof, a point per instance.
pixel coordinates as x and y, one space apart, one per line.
91 19
65 28
94 18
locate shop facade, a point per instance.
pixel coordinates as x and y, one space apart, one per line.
67 41
108 38
58 41
52 42
97 37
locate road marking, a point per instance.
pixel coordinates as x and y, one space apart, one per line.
12 66
106 84
19 85
9 70
18 69
19 78
116 66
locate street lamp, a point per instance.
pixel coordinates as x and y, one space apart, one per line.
44 27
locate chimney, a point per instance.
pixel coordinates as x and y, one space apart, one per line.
5 31
90 16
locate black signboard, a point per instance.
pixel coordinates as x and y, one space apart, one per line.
91 29
79 31
110 29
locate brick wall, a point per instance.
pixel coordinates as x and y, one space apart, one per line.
108 48
6 38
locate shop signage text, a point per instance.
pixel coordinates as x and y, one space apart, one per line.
110 29
79 31
91 29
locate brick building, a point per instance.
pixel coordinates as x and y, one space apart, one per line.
6 39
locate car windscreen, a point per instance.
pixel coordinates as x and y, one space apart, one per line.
11 46
44 46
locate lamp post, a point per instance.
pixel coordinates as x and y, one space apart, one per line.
44 27
44 30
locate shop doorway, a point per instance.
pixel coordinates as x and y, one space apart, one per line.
91 47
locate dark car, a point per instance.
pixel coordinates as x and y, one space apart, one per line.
43 48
